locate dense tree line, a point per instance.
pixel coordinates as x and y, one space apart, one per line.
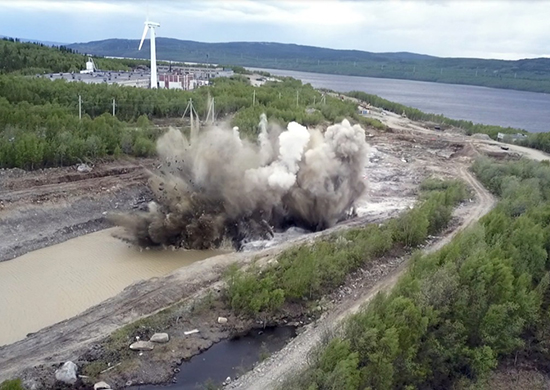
54 137
457 312
35 58
539 141
39 125
231 95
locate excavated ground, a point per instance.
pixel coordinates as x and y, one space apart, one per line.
46 207
41 208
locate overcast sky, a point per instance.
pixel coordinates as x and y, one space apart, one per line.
483 28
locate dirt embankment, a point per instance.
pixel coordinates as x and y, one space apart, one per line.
46 207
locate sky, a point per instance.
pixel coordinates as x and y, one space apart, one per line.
446 28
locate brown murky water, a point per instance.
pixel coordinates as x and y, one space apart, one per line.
52 284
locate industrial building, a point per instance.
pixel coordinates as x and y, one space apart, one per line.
169 77
186 78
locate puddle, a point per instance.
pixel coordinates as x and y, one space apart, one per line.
55 283
228 358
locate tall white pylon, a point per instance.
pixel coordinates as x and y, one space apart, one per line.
151 26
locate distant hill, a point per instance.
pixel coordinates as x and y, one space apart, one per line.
178 50
25 58
528 74
47 43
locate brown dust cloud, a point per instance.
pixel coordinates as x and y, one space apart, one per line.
217 187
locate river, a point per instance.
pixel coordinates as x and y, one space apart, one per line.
502 107
55 283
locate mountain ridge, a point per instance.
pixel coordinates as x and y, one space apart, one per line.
525 74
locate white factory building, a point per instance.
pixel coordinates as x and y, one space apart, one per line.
169 77
186 78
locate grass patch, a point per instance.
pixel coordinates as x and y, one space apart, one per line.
93 369
484 297
14 384
308 272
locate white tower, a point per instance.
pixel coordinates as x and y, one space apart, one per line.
151 26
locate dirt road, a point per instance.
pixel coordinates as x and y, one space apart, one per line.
292 359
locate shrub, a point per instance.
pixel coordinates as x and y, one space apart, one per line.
14 384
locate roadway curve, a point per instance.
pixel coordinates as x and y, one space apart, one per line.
293 358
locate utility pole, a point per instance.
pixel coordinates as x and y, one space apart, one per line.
194 129
213 110
193 132
79 107
254 98
211 114
114 105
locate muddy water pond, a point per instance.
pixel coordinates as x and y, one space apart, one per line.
55 283
228 358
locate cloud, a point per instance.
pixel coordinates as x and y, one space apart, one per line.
488 29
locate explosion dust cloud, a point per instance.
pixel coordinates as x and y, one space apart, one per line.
220 187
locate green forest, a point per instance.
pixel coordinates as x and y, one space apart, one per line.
526 74
456 313
34 58
40 125
309 272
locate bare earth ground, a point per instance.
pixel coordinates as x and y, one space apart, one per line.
290 360
46 207
399 161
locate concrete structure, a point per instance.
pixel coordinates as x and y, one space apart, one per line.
90 67
175 81
197 72
132 79
169 77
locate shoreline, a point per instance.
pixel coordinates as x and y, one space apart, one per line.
377 83
393 78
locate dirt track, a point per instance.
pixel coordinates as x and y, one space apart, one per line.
293 358
290 360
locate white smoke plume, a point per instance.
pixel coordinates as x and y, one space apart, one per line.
224 187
